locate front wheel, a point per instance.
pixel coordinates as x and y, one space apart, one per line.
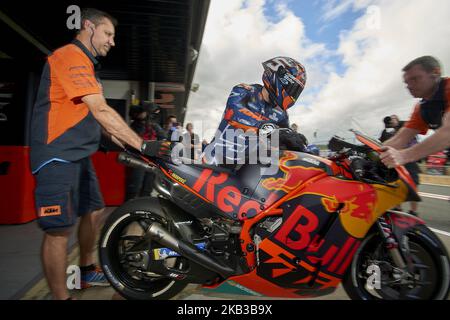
429 280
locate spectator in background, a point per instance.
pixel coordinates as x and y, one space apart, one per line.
389 130
171 126
392 125
144 123
294 127
191 142
154 119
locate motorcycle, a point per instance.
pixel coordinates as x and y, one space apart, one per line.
299 233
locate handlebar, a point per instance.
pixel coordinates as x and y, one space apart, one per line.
363 162
133 162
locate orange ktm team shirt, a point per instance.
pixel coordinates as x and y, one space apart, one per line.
62 127
440 103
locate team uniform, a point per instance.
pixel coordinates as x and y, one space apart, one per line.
64 135
246 111
236 139
428 113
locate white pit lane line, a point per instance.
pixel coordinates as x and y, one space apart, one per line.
439 197
434 196
440 232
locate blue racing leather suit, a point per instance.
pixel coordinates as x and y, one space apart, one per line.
245 110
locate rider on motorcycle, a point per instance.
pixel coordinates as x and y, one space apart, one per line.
249 107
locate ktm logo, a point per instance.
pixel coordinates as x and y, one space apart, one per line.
50 211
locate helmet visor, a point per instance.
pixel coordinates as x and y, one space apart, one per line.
292 86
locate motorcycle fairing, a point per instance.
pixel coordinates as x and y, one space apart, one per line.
227 193
294 170
244 193
310 252
401 170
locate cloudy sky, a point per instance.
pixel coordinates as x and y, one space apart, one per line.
353 51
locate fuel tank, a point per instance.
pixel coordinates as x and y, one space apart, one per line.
240 192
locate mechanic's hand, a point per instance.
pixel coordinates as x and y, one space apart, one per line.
391 157
159 148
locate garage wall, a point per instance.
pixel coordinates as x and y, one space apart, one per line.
120 89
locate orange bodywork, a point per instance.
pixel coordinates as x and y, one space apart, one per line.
360 206
354 205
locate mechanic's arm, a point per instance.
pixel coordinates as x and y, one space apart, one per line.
112 138
401 139
439 141
111 121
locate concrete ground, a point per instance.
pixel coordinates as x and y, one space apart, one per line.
192 292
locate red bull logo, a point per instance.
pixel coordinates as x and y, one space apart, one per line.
330 204
357 215
355 201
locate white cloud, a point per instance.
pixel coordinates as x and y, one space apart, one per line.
238 37
372 85
334 8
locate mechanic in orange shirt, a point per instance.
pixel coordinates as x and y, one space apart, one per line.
68 115
423 79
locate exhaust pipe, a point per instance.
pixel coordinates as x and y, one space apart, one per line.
158 233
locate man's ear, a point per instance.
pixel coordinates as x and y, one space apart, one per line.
88 25
437 72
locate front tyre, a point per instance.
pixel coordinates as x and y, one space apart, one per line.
429 280
127 259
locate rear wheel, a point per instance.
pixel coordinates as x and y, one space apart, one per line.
429 280
128 260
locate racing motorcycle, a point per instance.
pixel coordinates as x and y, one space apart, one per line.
299 233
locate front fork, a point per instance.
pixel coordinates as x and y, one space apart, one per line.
392 244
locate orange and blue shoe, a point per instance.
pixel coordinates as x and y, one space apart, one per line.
93 276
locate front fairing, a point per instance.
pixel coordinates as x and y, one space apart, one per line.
404 178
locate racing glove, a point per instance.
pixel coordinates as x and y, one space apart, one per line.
156 148
292 140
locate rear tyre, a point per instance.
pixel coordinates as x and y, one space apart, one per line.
124 231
